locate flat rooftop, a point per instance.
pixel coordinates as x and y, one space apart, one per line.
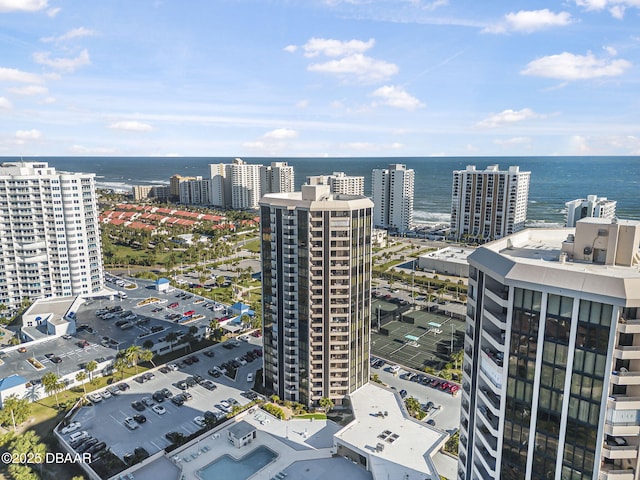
408 443
450 254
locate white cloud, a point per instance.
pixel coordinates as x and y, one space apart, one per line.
71 34
29 90
507 117
335 48
302 103
28 134
513 141
131 126
363 69
280 134
528 21
397 97
79 149
64 64
52 12
290 48
567 66
14 75
22 5
48 100
611 51
5 104
616 7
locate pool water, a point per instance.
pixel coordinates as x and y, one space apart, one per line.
228 468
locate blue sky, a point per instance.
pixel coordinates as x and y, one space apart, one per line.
319 77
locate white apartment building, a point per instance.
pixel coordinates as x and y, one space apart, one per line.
592 206
340 183
551 372
198 191
316 290
392 194
49 233
488 204
278 177
235 185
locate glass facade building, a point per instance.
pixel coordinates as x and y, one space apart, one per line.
551 376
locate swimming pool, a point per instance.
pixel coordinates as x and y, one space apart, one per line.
228 468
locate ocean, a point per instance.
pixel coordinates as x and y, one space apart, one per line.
554 180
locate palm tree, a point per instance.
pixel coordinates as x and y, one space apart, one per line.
81 377
146 356
90 368
120 365
132 354
52 384
215 330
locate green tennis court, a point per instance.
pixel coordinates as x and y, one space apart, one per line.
421 339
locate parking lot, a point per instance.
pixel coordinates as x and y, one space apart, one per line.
105 420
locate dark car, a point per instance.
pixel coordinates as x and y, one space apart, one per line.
123 386
178 400
97 447
141 379
158 396
164 369
181 385
213 373
210 353
138 406
166 392
192 382
198 378
403 393
87 445
140 418
55 359
188 361
194 358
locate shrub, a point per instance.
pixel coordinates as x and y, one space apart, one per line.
274 410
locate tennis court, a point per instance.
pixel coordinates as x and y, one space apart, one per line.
421 339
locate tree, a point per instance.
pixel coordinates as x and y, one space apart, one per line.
414 408
14 411
148 344
132 354
81 377
90 368
146 356
120 365
326 404
52 384
458 358
214 329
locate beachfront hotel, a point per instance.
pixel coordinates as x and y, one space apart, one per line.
316 290
551 375
592 206
49 234
488 204
392 194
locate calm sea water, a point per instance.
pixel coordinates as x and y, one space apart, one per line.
554 180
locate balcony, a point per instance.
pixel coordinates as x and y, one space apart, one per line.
620 452
613 474
622 429
622 402
628 326
623 352
625 378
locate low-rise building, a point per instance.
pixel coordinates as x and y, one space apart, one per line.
447 261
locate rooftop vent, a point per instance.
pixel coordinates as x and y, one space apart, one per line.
587 250
603 232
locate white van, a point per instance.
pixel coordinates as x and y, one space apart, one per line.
122 294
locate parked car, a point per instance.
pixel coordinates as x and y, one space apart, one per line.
140 418
250 377
158 396
72 427
138 406
148 401
130 423
95 397
208 384
200 421
75 436
167 393
159 409
105 394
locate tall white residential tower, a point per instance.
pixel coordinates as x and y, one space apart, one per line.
592 206
316 291
49 233
551 372
488 204
392 194
278 177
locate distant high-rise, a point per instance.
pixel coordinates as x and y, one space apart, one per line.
392 194
340 183
174 185
235 185
197 191
278 177
49 233
488 204
592 206
551 372
316 290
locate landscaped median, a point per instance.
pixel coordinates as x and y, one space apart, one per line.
148 301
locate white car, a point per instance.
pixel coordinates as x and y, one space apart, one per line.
72 427
250 377
172 366
199 421
105 394
130 423
95 397
159 409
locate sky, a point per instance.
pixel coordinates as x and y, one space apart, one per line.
316 78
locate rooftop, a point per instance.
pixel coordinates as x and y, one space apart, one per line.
408 443
451 254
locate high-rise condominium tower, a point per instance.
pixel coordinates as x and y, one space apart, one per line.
316 292
592 206
277 178
340 183
551 375
488 204
392 193
49 233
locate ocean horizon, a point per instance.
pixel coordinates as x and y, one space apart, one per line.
554 180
